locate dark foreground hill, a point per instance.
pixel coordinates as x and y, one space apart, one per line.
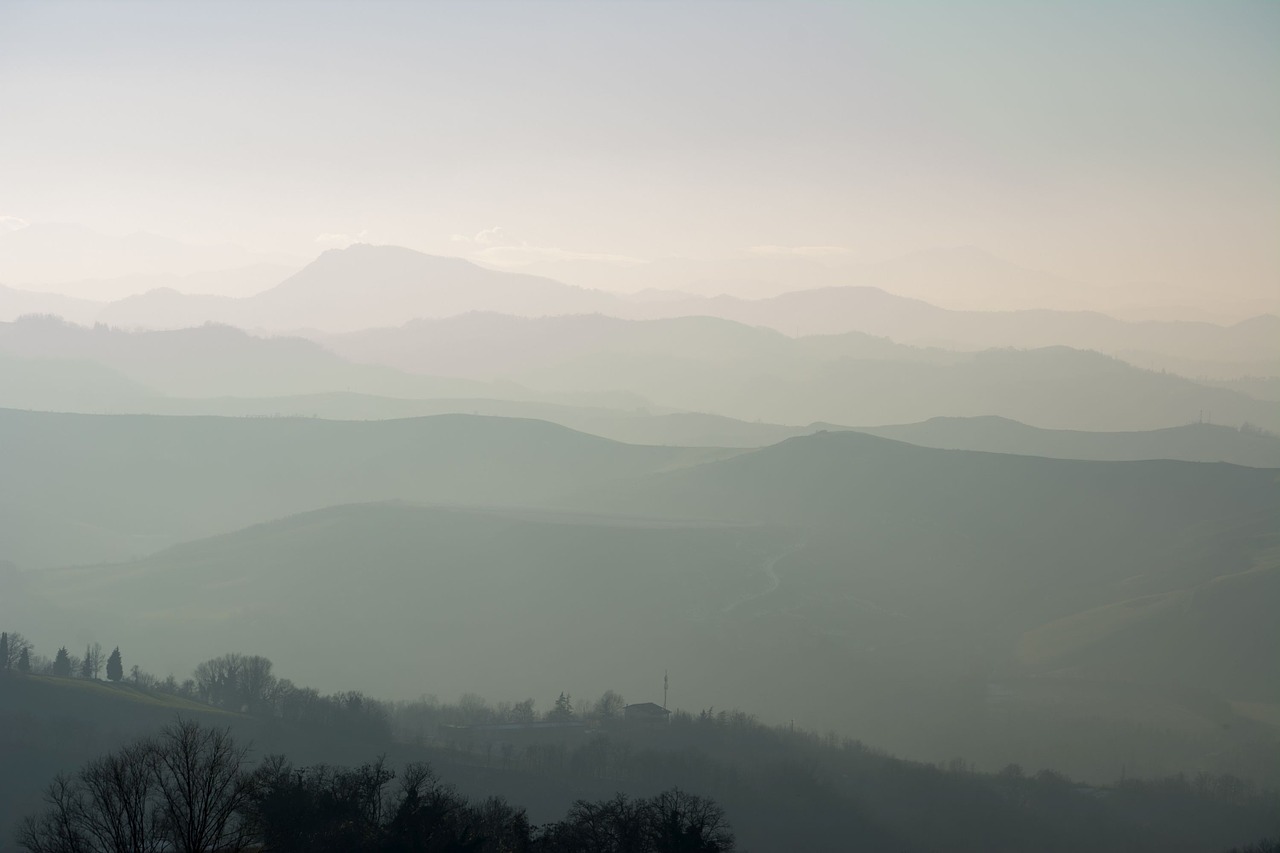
86 488
780 789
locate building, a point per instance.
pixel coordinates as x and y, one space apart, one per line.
646 713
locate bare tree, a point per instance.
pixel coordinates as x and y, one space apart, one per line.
201 788
238 683
57 830
12 652
684 821
185 791
92 664
115 802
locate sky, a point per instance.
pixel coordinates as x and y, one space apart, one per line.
1122 145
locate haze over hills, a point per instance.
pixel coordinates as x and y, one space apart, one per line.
1199 442
215 360
690 364
866 575
700 364
164 479
367 286
595 400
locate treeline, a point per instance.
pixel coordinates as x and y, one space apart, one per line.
17 654
190 790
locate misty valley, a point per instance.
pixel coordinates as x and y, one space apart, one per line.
537 426
497 579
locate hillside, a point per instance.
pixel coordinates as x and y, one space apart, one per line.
870 310
1198 442
751 373
956 594
444 599
130 484
210 361
780 789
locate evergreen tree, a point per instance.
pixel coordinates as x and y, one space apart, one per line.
115 669
4 651
86 665
62 663
24 660
563 711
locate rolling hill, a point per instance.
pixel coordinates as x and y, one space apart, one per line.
919 598
87 488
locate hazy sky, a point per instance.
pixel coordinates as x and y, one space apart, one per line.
1105 142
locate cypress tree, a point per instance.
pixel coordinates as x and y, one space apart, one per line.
24 660
115 669
4 651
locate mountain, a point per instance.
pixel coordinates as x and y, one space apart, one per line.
211 360
1198 442
750 373
69 385
16 303
949 555
487 345
705 365
363 286
90 488
1249 346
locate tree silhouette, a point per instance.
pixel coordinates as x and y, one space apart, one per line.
115 668
185 791
563 711
24 660
609 706
12 645
62 663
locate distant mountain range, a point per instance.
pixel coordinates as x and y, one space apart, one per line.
686 365
751 373
370 286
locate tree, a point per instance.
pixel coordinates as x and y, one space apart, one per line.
683 821
24 661
238 683
609 706
11 649
522 712
62 663
115 667
91 666
669 822
184 792
202 787
563 711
